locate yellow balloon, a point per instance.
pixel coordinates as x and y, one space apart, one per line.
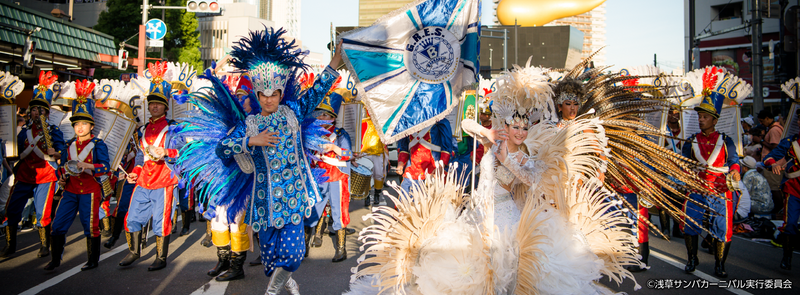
530 13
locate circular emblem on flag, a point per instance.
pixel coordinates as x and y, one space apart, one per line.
431 55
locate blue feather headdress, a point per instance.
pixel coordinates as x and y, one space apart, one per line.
270 61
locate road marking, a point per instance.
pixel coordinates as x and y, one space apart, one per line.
65 275
212 287
762 244
697 273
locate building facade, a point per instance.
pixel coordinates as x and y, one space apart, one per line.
593 26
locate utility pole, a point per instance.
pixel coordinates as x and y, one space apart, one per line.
143 38
689 63
655 60
782 66
163 18
516 42
757 67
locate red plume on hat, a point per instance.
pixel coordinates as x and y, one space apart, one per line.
46 79
157 70
83 89
710 78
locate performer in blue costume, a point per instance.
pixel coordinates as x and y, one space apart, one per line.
272 181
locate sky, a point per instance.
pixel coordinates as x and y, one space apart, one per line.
635 29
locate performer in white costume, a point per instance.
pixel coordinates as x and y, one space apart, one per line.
540 220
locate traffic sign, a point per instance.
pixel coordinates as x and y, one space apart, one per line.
155 43
155 29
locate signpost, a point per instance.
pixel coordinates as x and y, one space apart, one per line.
156 29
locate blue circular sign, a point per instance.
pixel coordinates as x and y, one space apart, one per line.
155 29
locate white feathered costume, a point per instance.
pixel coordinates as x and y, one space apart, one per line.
566 236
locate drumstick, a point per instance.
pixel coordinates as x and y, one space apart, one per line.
119 167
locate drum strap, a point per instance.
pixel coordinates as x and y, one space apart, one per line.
73 151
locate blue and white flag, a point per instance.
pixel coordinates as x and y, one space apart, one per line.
412 64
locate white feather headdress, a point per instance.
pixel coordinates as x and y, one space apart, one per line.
523 92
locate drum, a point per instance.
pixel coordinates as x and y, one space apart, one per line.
360 178
72 168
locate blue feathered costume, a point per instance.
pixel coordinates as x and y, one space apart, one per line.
275 185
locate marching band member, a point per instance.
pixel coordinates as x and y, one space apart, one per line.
124 192
375 151
155 190
82 167
419 152
718 151
336 190
789 148
40 144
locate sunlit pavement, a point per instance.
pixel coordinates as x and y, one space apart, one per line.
189 261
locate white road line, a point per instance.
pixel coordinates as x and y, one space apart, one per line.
697 273
760 243
65 275
212 287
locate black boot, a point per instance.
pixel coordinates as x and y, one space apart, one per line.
256 261
788 245
348 231
11 240
309 232
162 251
376 199
93 251
317 241
175 221
114 234
676 230
644 251
223 262
134 246
108 225
187 216
663 217
691 250
366 201
235 272
57 243
708 243
206 241
44 237
721 254
340 243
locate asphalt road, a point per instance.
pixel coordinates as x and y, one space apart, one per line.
189 262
